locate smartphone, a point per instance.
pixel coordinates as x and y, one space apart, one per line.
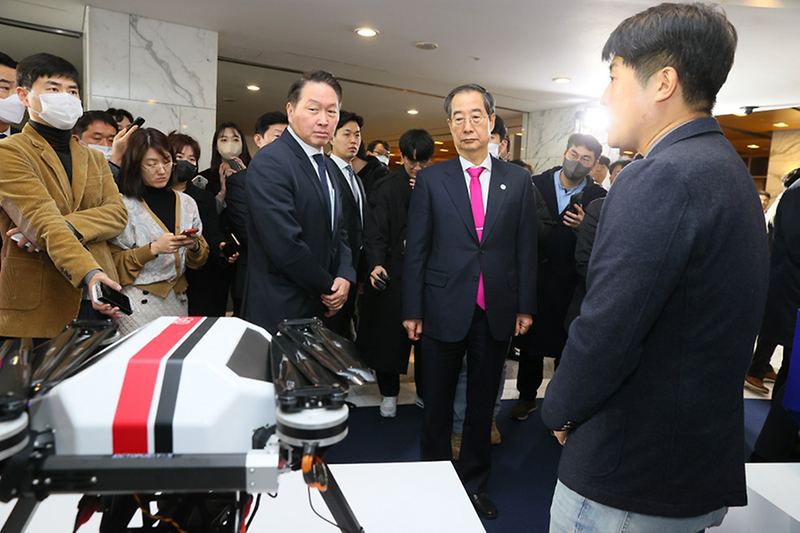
231 246
103 294
138 122
200 181
18 237
575 199
234 164
189 232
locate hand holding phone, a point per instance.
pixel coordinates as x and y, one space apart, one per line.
234 164
138 122
189 232
231 246
103 294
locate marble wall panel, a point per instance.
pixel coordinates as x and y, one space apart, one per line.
172 64
107 53
160 116
200 124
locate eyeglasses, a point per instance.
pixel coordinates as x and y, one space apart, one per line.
475 120
166 167
586 160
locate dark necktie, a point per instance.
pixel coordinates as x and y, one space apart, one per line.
356 192
323 178
3 135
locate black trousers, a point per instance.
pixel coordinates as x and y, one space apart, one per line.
441 365
530 373
778 437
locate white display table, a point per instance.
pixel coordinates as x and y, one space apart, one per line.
773 494
385 497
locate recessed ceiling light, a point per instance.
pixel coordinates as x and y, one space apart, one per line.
520 134
438 142
627 152
253 88
562 79
366 32
781 125
753 146
412 112
740 114
443 150
426 46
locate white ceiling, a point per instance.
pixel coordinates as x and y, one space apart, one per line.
513 47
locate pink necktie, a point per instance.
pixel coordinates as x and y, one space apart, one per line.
476 197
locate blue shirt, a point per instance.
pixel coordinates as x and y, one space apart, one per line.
563 195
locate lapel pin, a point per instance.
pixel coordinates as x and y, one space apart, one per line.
502 186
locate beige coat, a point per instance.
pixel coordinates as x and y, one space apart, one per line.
40 293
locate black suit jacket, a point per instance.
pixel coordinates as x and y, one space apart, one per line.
237 213
352 215
653 368
444 256
557 275
293 253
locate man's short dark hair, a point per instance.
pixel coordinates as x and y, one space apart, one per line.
371 146
316 76
523 164
587 141
44 65
603 160
791 177
697 40
500 128
6 61
349 116
89 118
119 114
488 99
270 119
624 162
765 193
417 145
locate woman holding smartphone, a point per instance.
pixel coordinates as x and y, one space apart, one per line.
163 236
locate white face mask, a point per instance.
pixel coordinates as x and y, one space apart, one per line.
383 159
494 149
105 150
229 150
11 110
60 110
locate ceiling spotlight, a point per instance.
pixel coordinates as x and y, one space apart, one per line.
740 114
253 88
438 142
520 134
562 80
753 146
366 32
781 125
443 150
426 46
412 112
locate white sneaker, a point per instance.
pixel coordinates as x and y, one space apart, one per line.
389 407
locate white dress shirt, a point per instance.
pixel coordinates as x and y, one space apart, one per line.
310 151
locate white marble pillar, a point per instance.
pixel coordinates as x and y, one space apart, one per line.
164 72
784 155
546 132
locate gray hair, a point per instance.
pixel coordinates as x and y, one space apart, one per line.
488 99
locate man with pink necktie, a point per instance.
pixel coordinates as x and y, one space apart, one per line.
469 282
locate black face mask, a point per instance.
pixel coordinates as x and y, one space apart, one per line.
186 171
575 170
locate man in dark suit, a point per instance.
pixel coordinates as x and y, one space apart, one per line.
12 110
649 405
299 259
469 282
269 128
344 147
566 190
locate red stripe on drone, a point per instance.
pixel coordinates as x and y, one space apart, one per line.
136 397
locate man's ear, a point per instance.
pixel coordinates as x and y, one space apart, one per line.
22 92
666 81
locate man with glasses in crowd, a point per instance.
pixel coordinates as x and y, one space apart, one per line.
469 283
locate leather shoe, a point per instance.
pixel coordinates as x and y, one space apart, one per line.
755 384
770 377
484 506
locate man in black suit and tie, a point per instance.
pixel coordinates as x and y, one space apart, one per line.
469 282
647 400
300 261
344 147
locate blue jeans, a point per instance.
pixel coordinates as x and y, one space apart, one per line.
572 512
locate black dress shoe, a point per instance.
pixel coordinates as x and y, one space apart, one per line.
484 505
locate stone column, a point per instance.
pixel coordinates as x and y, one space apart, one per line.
164 72
546 132
784 155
